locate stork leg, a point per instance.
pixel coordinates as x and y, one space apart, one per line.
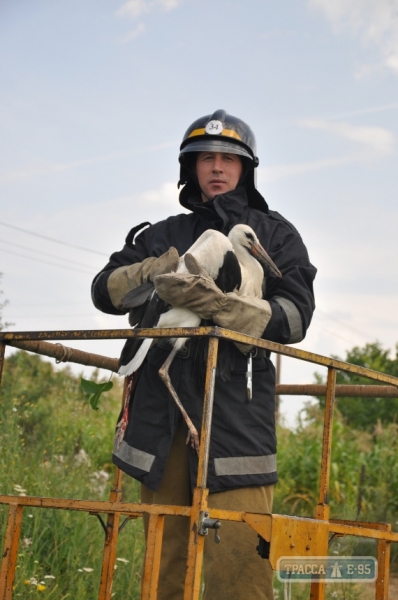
193 436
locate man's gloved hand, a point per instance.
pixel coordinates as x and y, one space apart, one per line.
125 279
197 291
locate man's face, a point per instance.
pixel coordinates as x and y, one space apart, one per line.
217 173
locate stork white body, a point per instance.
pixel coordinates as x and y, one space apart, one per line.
209 250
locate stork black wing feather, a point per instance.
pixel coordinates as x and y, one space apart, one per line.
138 295
229 276
156 306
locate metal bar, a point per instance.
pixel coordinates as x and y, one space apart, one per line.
153 554
365 524
10 551
108 334
323 504
322 510
383 566
102 506
196 545
200 495
112 533
354 391
67 354
306 356
365 532
278 370
206 332
207 413
2 353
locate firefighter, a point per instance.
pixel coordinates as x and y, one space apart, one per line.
217 174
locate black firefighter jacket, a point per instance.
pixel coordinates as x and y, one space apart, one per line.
243 441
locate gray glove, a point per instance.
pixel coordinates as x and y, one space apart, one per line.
125 279
198 292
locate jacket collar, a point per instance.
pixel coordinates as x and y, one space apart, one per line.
253 198
226 209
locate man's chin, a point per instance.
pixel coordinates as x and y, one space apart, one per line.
217 191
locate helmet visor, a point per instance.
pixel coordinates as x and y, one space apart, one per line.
211 145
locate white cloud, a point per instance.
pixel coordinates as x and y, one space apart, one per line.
374 21
134 33
372 143
133 8
136 8
376 139
44 168
270 174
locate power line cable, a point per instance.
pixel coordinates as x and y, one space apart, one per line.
45 254
342 323
332 333
46 262
50 239
46 304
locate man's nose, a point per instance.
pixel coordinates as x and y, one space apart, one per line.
217 164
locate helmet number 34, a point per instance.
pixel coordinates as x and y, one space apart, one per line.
214 127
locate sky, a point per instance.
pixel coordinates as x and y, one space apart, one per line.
96 95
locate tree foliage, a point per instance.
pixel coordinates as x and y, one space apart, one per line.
365 413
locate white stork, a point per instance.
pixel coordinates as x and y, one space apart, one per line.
234 264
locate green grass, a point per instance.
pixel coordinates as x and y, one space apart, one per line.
53 444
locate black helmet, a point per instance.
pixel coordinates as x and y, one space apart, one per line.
220 132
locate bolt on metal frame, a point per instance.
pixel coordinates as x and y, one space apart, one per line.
288 536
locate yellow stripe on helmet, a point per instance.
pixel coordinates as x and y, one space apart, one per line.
225 132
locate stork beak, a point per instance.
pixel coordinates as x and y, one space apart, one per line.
264 258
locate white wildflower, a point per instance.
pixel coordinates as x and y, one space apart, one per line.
123 560
49 576
100 475
88 569
82 457
99 480
27 542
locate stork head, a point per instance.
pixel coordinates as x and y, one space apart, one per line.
242 236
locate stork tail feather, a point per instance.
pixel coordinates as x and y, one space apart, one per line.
138 359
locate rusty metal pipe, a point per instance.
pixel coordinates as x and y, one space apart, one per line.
354 391
218 332
63 353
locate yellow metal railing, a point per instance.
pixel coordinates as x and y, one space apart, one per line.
287 536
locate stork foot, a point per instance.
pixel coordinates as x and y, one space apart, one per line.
193 440
193 436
